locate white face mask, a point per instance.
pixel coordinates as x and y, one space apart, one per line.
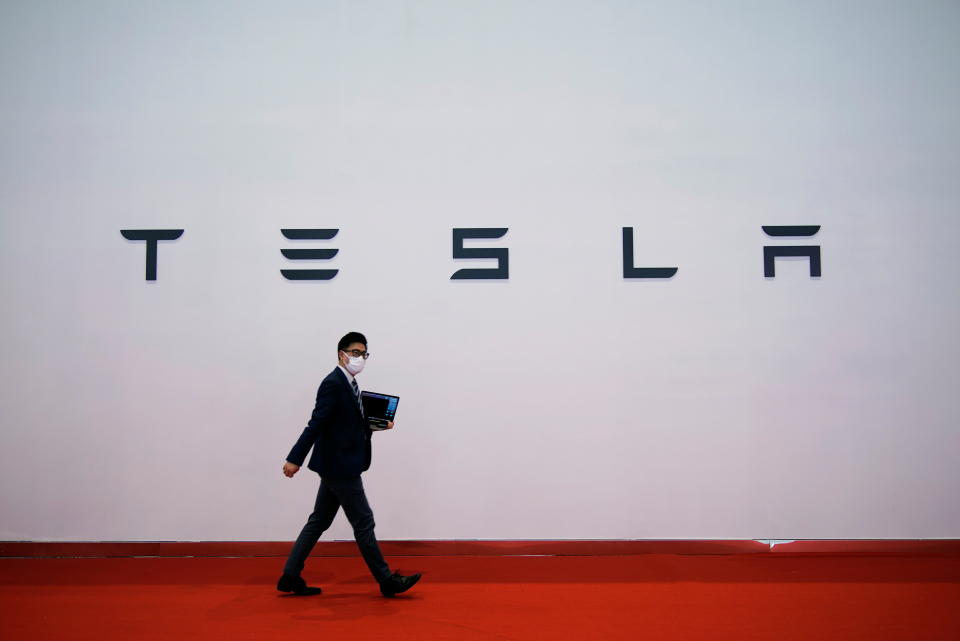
355 364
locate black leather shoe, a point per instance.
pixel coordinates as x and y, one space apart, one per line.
398 583
297 585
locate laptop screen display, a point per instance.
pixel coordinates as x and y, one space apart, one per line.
379 406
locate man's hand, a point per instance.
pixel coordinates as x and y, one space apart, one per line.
389 425
289 469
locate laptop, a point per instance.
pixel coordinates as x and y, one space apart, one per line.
379 409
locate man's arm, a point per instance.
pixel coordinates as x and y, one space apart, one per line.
322 410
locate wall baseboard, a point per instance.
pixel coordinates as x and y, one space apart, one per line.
104 549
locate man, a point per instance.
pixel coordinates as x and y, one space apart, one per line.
340 438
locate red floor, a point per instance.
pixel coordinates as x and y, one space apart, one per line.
657 597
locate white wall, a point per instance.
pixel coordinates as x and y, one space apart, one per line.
566 402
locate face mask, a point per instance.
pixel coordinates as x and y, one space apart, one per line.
355 364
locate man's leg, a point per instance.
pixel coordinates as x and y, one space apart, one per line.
355 506
324 509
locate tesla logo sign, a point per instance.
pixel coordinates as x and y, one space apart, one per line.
497 253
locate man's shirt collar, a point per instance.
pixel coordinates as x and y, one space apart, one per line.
349 376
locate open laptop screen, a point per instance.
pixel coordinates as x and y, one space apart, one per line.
379 408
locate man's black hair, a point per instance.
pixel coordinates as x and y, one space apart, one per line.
350 338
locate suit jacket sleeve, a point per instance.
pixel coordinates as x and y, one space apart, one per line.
322 410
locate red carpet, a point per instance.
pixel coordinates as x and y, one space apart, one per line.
657 597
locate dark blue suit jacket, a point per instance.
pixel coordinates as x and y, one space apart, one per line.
337 432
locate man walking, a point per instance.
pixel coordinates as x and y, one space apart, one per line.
340 438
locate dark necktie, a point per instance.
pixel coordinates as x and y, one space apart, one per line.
356 392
